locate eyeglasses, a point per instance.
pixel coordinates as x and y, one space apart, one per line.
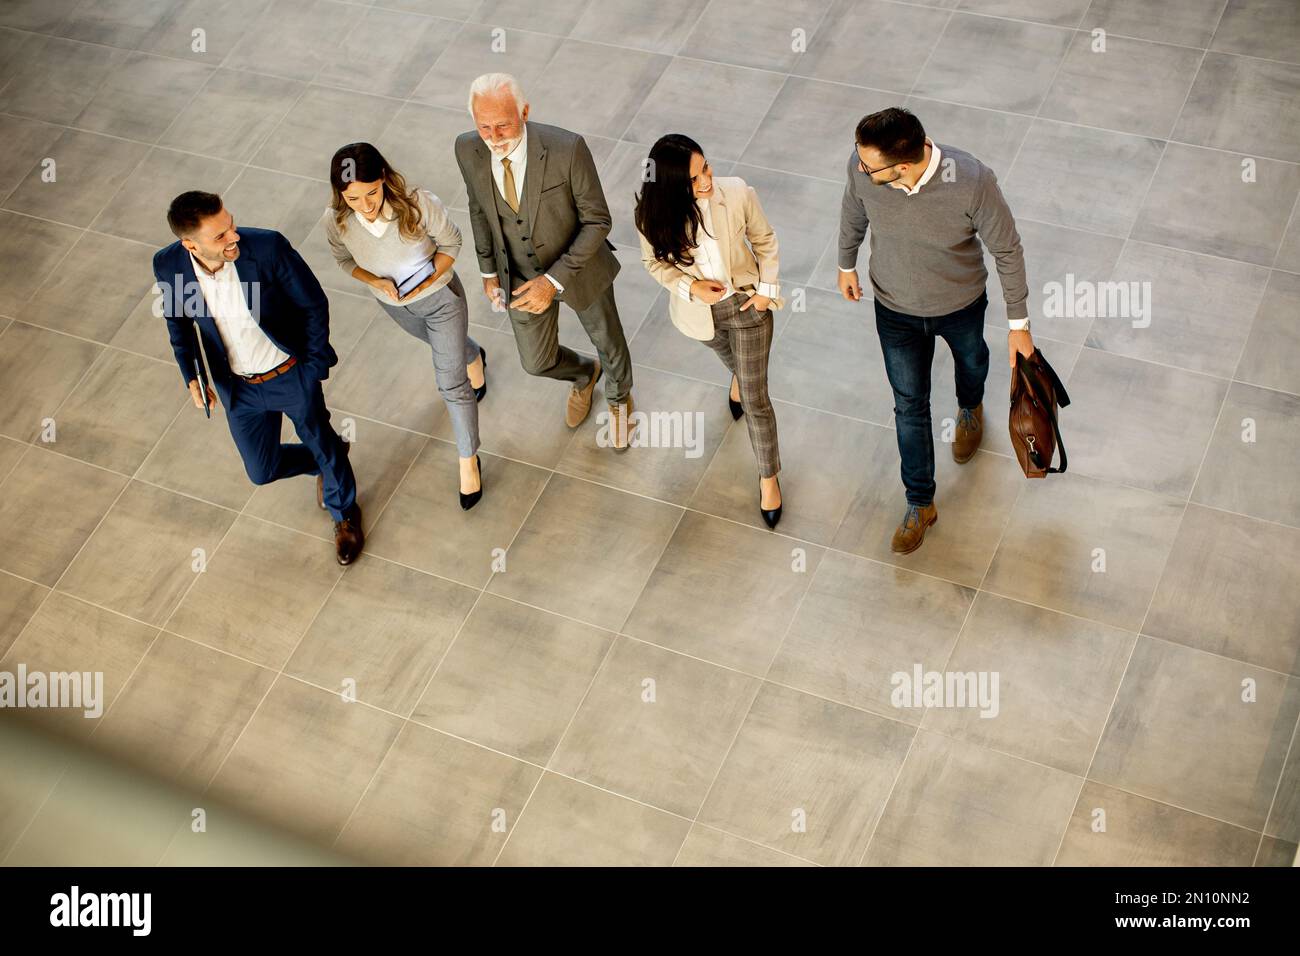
862 167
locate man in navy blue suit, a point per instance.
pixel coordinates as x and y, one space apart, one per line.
264 323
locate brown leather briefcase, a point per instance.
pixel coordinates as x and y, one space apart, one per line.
1036 391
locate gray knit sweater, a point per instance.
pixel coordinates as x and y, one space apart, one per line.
390 255
925 257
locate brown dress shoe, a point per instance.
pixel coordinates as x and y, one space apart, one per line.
348 537
970 429
909 535
621 425
575 413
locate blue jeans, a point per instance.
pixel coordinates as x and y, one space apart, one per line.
908 345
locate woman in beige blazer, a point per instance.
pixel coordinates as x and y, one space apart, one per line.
706 240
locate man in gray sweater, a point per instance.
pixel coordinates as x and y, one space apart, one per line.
926 205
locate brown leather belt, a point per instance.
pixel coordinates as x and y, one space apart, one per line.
267 376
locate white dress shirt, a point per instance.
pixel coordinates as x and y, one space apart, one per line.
1015 325
249 350
518 166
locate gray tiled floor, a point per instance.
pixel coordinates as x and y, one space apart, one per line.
652 677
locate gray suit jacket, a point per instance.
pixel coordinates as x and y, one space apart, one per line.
565 205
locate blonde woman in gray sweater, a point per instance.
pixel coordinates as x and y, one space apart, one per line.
402 243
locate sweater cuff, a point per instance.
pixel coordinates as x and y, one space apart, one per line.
684 287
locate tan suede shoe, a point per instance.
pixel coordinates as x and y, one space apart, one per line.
970 429
911 532
575 413
621 425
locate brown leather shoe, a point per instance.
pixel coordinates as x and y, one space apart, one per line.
970 429
909 535
575 413
621 424
320 492
348 537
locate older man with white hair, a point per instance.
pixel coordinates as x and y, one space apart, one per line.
540 221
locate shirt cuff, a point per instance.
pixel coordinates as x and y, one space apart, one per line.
488 275
684 287
854 269
558 287
1017 325
768 290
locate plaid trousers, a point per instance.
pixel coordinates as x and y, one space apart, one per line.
743 340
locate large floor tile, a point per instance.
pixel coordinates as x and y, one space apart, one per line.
142 96
438 801
1138 423
655 726
956 804
197 457
973 502
183 709
611 540
706 846
94 289
1094 87
233 115
117 413
1198 309
38 371
381 633
1271 357
1057 677
27 142
321 121
807 776
658 28
1001 64
1201 200
423 526
1142 832
161 175
823 460
141 559
1263 28
1079 177
88 169
1239 100
49 506
1227 589
724 593
225 22
672 105
294 38
1254 456
1086 547
1185 22
861 623
305 758
871 43
757 33
54 78
413 42
1181 732
476 50
564 94
557 17
31 248
19 600
828 356
259 593
567 823
71 636
513 679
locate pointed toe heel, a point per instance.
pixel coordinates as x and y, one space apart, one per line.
468 501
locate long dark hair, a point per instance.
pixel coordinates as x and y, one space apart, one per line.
666 211
362 163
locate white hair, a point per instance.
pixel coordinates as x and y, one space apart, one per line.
489 83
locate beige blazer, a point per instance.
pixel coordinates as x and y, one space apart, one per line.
737 217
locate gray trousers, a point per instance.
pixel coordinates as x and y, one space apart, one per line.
540 351
743 341
442 320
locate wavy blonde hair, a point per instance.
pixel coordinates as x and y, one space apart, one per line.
362 163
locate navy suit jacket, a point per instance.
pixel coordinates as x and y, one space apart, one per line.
282 294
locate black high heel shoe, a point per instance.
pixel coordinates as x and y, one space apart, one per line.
773 515
468 501
482 389
736 408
